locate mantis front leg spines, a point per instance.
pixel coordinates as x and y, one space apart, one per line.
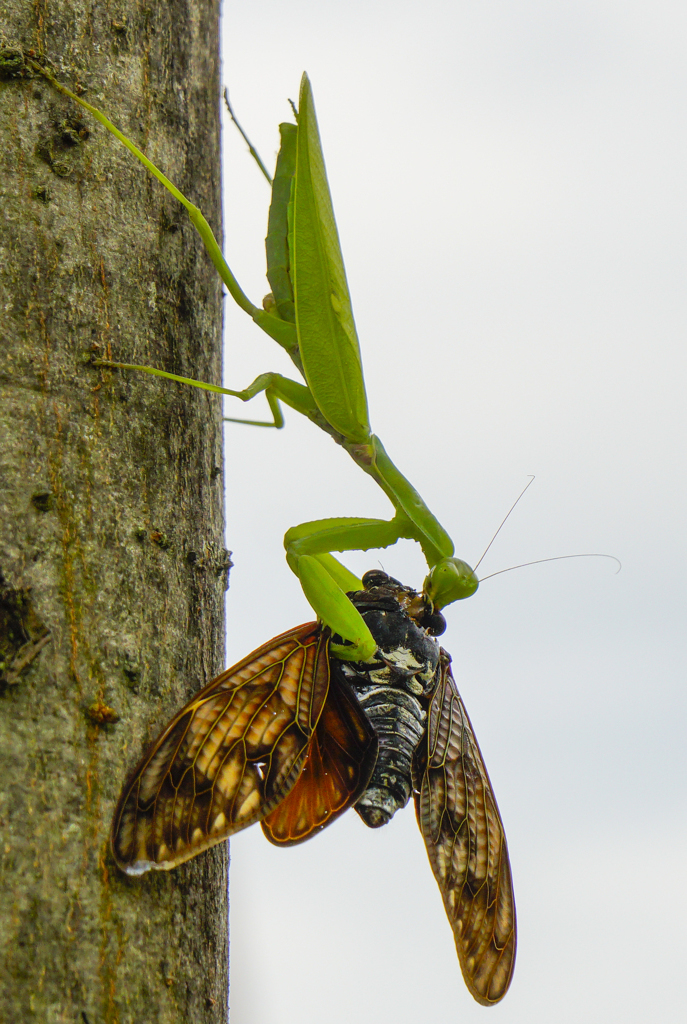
309 313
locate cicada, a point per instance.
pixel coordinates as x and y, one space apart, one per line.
293 736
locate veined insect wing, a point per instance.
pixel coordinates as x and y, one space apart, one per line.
466 843
335 773
228 758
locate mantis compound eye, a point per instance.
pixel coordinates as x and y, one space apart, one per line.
450 580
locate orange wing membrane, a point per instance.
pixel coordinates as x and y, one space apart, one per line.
335 772
228 758
457 814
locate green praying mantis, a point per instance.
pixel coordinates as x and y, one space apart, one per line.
309 314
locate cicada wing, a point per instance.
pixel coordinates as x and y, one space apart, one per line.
459 819
336 771
226 759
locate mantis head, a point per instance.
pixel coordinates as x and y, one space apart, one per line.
450 580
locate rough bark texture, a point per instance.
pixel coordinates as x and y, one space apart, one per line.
112 566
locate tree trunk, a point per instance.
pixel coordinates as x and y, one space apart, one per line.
112 565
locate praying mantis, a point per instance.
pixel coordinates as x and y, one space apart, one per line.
360 708
309 314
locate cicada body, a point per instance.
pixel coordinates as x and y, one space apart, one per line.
292 737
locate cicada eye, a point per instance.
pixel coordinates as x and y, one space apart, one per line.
376 578
434 623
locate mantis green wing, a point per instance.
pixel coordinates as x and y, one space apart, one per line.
327 337
277 241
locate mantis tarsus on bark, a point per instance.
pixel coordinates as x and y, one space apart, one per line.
309 314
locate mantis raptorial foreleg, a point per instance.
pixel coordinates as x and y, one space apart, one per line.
326 581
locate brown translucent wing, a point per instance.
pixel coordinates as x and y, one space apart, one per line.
336 771
228 758
457 813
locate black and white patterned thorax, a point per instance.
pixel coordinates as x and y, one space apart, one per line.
394 688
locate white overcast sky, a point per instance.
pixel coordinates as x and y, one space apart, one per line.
509 182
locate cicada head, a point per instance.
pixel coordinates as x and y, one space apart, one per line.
419 607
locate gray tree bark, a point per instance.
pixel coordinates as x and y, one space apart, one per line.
112 565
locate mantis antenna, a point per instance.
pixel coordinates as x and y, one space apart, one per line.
537 561
531 481
555 558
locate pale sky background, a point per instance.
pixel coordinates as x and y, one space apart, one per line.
509 184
